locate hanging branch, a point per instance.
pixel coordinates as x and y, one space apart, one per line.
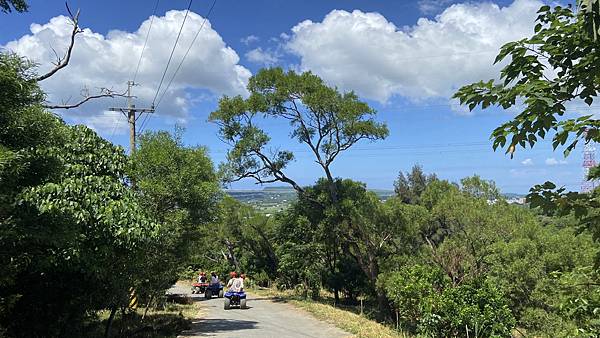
64 61
104 92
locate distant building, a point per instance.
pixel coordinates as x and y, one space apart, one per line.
516 200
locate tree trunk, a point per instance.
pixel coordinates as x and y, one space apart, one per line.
336 290
336 294
332 188
147 307
113 311
232 259
371 268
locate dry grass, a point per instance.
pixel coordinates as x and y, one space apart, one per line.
358 325
164 323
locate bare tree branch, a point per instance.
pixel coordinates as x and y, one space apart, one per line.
64 61
104 92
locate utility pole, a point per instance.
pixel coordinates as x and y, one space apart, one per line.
130 112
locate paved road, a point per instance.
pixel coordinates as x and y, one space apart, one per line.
264 318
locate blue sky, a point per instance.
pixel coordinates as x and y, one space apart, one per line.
405 58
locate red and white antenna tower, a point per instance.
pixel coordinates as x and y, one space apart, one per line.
589 161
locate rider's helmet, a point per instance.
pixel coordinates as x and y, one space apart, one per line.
202 273
233 274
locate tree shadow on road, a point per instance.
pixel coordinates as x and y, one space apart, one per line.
208 327
252 299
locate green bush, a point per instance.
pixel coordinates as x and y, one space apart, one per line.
427 302
477 309
411 290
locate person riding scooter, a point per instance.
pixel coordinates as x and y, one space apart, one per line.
214 279
202 277
235 284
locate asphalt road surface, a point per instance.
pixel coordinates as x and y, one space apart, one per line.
264 317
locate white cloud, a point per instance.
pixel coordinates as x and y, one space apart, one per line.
249 39
553 161
432 6
527 162
110 60
528 173
261 56
367 53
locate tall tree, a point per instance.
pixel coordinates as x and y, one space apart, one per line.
179 188
320 117
67 219
409 187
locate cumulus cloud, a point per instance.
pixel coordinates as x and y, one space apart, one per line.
261 56
527 162
110 60
552 161
367 53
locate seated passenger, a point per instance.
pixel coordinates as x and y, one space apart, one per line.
235 284
214 279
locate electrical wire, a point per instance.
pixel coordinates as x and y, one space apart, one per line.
172 51
145 41
186 53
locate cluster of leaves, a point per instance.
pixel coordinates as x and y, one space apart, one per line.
475 308
556 66
7 6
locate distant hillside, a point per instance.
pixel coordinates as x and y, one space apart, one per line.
513 195
277 198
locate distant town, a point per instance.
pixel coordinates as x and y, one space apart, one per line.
270 200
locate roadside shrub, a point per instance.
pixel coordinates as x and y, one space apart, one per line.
427 303
477 309
189 273
411 290
262 279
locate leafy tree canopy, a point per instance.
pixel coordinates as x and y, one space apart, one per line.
409 187
320 117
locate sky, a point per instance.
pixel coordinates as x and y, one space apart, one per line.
404 58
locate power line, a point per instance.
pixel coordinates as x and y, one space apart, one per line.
186 53
172 51
132 82
145 41
414 149
144 123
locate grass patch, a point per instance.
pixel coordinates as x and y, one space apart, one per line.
167 322
347 318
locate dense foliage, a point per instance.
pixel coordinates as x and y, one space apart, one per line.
461 261
179 189
8 6
72 234
75 238
554 70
